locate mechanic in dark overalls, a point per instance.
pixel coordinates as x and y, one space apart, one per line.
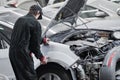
26 39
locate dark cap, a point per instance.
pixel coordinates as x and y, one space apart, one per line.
36 8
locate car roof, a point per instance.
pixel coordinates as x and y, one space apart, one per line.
12 9
6 8
104 4
9 15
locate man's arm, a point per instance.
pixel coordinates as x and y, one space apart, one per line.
35 40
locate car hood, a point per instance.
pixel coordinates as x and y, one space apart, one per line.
67 12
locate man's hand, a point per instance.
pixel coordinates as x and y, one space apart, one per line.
46 41
43 60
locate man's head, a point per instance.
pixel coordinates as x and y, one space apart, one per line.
36 11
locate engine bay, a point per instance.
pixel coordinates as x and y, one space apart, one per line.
92 48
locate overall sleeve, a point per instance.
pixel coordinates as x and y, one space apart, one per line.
35 40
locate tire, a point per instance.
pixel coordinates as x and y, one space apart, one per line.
117 75
52 73
117 72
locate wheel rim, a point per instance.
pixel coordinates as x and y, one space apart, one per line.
50 76
117 74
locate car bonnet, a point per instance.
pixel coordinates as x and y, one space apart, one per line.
67 13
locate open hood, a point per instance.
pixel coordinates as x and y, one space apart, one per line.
69 10
67 13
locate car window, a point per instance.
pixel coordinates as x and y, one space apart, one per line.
116 1
86 7
3 43
89 12
50 2
4 34
57 1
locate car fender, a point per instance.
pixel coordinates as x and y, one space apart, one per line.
59 53
107 71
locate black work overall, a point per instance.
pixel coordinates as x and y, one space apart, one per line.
26 38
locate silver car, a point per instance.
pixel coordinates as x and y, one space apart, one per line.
94 10
54 51
100 9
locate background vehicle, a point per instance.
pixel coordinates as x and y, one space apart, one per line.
99 9
94 10
25 4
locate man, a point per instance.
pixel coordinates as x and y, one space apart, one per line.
26 39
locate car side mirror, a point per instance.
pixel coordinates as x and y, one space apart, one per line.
100 14
118 11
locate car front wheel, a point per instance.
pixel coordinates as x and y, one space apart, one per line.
52 73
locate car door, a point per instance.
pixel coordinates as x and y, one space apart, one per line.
5 66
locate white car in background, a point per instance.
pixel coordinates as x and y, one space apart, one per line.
94 10
25 4
116 1
100 9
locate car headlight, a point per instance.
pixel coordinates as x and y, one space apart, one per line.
75 65
79 69
116 34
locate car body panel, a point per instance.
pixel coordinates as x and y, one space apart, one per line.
59 53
